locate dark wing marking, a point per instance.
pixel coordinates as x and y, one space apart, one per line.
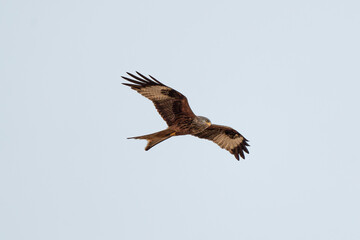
226 138
171 105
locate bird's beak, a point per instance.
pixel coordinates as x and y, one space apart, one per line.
209 123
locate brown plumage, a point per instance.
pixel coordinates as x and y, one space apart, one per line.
226 138
175 110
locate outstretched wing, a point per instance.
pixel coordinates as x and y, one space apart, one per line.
171 105
226 138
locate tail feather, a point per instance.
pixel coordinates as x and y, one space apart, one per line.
155 138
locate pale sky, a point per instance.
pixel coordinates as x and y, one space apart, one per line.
285 74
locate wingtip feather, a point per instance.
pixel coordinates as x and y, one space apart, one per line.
144 77
242 154
156 80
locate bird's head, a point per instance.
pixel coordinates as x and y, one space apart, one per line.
204 120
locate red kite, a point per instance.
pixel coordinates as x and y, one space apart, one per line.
175 110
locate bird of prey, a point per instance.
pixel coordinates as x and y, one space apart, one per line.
175 110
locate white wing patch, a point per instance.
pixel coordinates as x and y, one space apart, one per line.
154 92
227 143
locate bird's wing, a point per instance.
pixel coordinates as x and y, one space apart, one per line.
171 105
226 138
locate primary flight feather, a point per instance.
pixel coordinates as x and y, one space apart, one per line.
175 110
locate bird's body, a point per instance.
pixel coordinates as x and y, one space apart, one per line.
175 110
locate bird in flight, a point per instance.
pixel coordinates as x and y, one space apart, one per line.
175 110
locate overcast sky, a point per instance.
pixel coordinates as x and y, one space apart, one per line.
285 74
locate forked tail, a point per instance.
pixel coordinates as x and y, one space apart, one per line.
155 138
